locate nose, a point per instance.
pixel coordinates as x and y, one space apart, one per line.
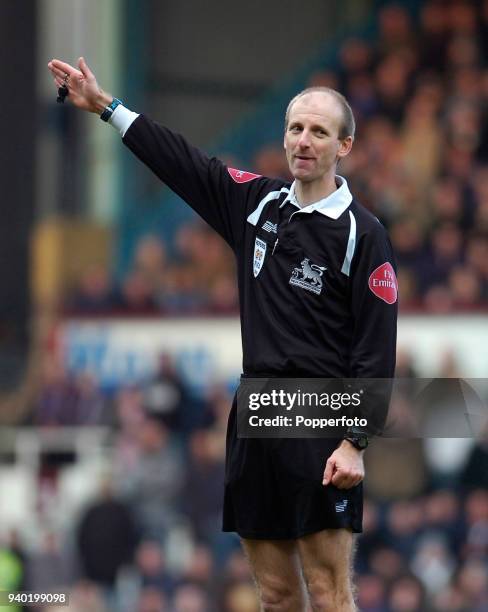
304 140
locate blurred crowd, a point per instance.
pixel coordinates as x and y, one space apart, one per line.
419 92
197 278
150 540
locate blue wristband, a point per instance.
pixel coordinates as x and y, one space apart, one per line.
108 112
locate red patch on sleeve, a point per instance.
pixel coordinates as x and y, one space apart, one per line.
241 176
383 283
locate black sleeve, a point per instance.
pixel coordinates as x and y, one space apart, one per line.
215 192
374 294
374 298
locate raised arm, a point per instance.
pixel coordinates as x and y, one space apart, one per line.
222 196
84 91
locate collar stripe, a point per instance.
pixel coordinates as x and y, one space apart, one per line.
272 195
351 246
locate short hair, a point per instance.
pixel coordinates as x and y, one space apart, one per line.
348 126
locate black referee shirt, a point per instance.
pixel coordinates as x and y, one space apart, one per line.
317 286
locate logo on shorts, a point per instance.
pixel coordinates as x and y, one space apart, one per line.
308 277
270 227
259 253
383 283
241 176
341 506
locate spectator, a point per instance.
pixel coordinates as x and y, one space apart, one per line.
475 472
150 563
93 294
57 395
90 406
465 287
445 253
190 598
434 35
473 582
387 563
371 593
433 564
152 600
50 568
150 259
205 475
135 295
106 538
165 395
407 595
153 484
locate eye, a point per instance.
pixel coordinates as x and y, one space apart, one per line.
295 128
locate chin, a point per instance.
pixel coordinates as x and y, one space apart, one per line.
304 177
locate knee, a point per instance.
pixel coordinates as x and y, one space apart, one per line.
329 591
321 591
278 596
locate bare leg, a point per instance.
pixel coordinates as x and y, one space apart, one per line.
326 558
276 569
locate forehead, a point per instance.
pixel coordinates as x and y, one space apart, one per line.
317 106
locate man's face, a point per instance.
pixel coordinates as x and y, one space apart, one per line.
312 141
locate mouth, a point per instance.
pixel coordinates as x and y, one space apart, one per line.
304 157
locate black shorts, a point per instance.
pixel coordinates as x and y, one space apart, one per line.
274 490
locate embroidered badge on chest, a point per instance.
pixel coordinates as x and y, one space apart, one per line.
308 277
259 253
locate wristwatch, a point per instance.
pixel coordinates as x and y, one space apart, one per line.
359 440
108 111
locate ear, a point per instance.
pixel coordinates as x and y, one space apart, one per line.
345 147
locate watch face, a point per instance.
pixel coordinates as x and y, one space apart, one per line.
362 442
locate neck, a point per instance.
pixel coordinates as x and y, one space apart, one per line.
308 193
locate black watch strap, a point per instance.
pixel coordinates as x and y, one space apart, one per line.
359 439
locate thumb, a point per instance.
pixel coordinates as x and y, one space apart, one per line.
83 66
329 470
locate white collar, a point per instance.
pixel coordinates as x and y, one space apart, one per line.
332 206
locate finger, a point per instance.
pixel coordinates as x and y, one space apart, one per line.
83 66
63 67
358 479
62 74
342 480
329 470
347 480
54 71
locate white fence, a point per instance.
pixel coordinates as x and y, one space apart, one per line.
122 351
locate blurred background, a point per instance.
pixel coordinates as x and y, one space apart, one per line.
119 337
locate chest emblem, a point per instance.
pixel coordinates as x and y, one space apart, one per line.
308 277
259 253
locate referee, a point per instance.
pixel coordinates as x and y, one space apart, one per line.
318 298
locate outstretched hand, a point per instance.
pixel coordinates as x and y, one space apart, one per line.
84 91
345 467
